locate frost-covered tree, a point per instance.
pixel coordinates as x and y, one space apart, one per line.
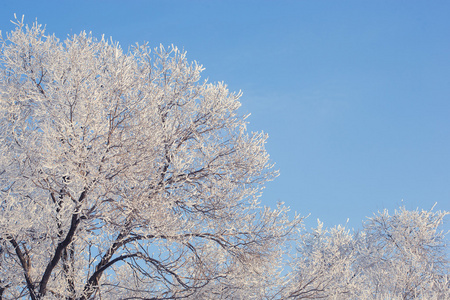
400 256
324 265
124 176
404 256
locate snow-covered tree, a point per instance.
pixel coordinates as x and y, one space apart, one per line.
404 256
323 267
400 256
125 176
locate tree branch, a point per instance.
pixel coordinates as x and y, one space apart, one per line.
93 280
104 264
25 262
59 249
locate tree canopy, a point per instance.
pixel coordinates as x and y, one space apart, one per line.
124 175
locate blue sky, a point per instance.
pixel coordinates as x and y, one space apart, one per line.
354 94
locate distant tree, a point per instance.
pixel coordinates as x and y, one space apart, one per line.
404 256
324 265
124 176
400 256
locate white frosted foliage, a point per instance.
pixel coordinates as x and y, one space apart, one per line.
124 175
396 256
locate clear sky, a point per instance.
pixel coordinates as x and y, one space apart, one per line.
353 94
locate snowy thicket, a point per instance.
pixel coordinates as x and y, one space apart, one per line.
125 176
398 256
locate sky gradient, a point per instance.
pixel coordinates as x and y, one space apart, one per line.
353 94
